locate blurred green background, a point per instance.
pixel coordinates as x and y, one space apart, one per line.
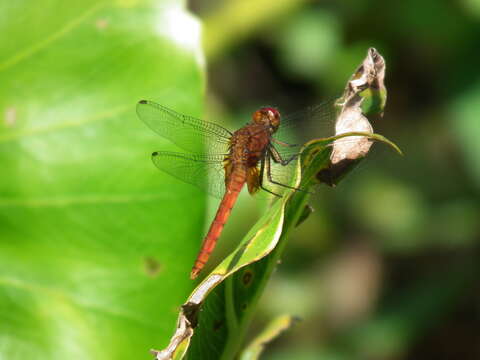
387 265
96 244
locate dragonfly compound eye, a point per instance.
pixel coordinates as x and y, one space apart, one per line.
268 116
273 117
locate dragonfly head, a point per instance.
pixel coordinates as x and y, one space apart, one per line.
267 116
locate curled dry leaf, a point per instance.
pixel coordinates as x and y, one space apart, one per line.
351 119
364 95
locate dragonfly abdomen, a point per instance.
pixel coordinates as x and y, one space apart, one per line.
233 187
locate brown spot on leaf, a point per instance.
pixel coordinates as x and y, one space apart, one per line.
217 324
10 116
151 266
101 24
247 277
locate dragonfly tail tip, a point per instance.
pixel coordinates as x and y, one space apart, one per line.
194 274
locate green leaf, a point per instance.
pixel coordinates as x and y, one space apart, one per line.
274 329
90 266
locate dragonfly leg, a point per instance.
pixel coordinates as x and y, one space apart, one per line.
262 172
283 143
275 155
269 173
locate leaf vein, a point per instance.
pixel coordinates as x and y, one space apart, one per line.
21 55
83 199
65 125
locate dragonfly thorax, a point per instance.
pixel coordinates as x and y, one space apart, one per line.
267 116
248 144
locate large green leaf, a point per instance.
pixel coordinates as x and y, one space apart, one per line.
95 250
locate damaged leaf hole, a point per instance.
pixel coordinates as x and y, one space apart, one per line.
190 310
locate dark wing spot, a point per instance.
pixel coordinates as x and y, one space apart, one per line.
142 102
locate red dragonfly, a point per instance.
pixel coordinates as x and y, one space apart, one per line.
226 161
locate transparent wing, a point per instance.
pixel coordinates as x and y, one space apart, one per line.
203 171
317 120
185 131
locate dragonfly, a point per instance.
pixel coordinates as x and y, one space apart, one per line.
220 161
